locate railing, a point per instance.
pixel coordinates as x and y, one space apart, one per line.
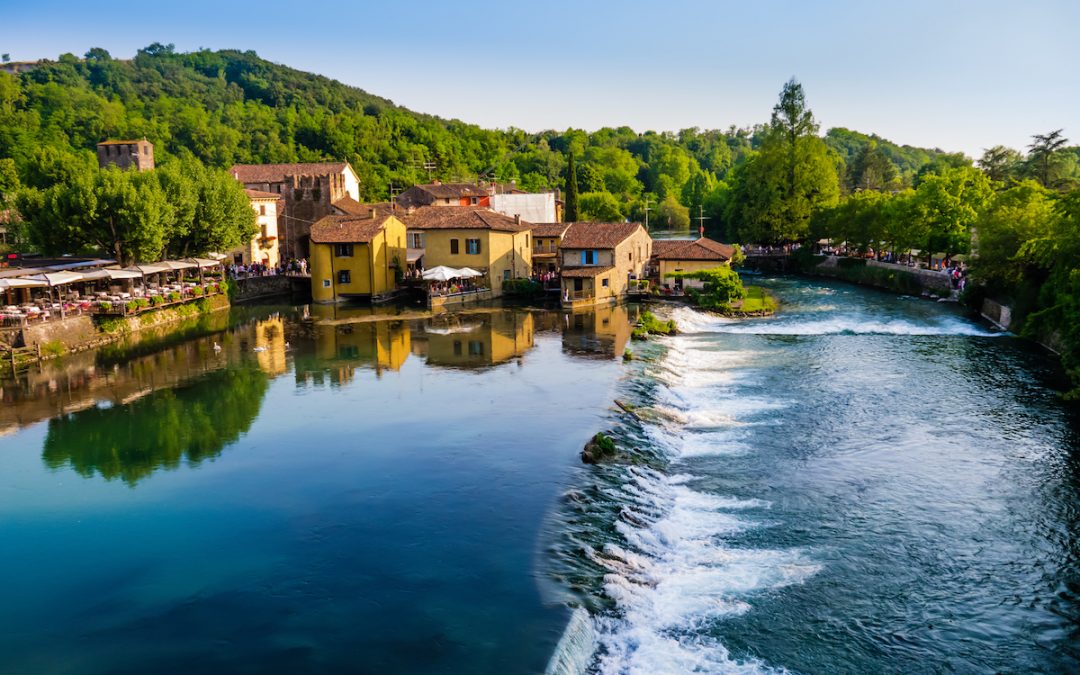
579 295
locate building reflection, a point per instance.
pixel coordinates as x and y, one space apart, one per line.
475 339
601 332
339 349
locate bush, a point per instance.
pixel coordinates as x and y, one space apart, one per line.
157 300
105 306
648 324
526 287
174 296
142 303
132 305
722 286
197 291
53 348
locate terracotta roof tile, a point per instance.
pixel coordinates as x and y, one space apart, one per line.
347 229
275 173
549 229
259 194
351 207
597 235
691 249
462 218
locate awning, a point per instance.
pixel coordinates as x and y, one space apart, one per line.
110 273
149 268
57 278
413 254
178 264
203 263
21 283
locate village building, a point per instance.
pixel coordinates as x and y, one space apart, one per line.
600 260
126 154
496 245
263 247
547 238
357 257
671 257
308 193
444 194
475 340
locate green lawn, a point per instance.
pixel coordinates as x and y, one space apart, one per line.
757 300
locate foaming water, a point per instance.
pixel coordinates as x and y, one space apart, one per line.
828 504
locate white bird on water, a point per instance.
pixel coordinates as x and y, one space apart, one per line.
259 349
217 347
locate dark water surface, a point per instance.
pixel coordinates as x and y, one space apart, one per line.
368 499
863 484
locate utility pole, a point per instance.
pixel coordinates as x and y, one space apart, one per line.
701 220
646 214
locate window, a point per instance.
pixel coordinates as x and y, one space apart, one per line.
297 194
343 250
326 283
264 229
146 150
604 283
344 277
630 256
472 246
588 257
416 240
476 348
506 275
454 246
262 209
457 347
316 194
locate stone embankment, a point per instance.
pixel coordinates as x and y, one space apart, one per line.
253 288
886 276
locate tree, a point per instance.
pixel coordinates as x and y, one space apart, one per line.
794 174
1001 164
209 210
570 198
600 207
1012 217
871 169
672 215
721 286
1043 155
949 203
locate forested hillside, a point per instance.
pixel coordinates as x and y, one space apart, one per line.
228 107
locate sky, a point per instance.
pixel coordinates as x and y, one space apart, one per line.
961 76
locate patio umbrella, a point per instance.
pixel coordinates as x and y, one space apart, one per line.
22 283
54 279
203 263
469 273
111 273
441 273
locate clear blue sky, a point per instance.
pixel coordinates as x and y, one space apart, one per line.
956 75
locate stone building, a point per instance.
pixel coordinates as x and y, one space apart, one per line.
308 193
126 154
264 246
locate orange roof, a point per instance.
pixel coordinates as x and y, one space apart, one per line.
549 229
142 140
259 194
275 173
463 218
691 249
597 235
584 272
348 229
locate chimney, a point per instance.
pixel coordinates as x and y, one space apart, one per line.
373 213
517 218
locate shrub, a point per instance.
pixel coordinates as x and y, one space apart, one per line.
142 303
722 286
174 296
105 306
158 300
648 324
521 287
197 291
53 348
132 305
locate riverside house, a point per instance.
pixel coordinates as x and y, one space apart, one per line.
308 192
547 238
263 247
496 245
600 260
687 255
360 257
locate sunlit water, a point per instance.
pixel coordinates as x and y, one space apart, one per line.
864 483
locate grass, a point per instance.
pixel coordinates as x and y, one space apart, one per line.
757 300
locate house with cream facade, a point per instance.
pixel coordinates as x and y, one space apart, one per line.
600 260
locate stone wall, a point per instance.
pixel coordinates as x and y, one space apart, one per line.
253 288
997 313
887 276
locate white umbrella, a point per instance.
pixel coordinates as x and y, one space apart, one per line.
178 264
149 268
441 273
469 273
204 262
57 278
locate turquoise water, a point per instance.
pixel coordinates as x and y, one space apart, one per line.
368 499
863 484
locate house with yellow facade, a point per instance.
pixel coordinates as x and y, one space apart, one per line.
547 238
357 257
600 260
498 246
475 340
264 247
679 256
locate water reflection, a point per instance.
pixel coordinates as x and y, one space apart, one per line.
153 402
160 430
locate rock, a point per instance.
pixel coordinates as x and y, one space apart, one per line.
598 449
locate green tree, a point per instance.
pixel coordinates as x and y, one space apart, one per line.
1011 218
672 215
600 207
1001 164
1044 156
872 170
949 203
570 198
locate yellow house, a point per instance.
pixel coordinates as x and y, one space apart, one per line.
599 260
547 238
687 255
264 246
499 246
356 257
599 331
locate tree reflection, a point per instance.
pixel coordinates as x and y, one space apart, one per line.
160 430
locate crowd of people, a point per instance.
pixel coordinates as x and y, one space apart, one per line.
293 266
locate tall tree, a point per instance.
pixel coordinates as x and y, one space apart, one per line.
570 198
1042 155
1001 164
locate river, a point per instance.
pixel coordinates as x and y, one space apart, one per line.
865 483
